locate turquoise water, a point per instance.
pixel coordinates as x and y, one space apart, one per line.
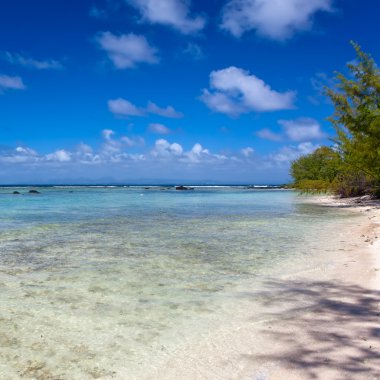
95 282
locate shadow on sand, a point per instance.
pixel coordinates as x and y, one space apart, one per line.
326 327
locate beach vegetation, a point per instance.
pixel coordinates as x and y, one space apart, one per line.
316 171
351 167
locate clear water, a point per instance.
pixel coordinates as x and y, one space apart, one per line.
99 282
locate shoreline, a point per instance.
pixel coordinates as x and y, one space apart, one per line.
311 312
317 325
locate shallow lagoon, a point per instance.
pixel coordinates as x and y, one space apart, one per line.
96 282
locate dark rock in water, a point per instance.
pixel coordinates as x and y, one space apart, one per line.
16 193
184 188
34 192
146 188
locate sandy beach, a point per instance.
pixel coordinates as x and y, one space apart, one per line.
323 324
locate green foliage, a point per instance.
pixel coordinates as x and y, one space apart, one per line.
313 186
356 118
316 171
353 167
351 184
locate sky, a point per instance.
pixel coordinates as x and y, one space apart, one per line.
130 91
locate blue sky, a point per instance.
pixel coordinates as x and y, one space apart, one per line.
126 90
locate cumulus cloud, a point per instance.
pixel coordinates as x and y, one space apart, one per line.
169 111
274 19
165 156
59 156
267 134
164 149
302 129
166 159
174 13
159 129
84 153
132 141
234 91
19 155
196 153
112 147
289 153
123 107
21 60
127 50
26 151
11 83
107 134
247 152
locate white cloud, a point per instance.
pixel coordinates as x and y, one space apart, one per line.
164 158
84 154
169 111
19 155
59 156
274 19
196 153
18 59
302 129
159 128
11 83
289 153
84 149
107 134
164 149
112 148
127 50
132 141
234 91
123 107
267 134
247 152
26 151
174 13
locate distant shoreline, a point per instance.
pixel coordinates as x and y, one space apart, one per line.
270 186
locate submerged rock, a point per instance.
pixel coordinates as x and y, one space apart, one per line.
184 188
34 192
16 193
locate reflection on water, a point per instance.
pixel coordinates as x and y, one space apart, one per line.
98 282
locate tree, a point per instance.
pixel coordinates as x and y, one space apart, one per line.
356 119
316 171
352 167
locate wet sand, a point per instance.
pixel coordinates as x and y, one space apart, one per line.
319 324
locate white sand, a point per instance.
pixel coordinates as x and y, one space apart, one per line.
323 324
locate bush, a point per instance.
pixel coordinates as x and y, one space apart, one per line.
316 171
351 184
313 186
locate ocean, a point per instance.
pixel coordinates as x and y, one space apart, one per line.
109 282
